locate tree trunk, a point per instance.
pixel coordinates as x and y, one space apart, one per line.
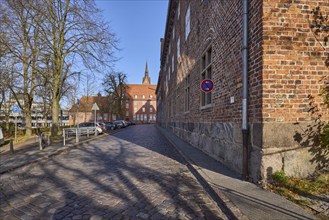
28 124
54 114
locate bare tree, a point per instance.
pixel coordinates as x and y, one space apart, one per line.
115 85
74 32
21 43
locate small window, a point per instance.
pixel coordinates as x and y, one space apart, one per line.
143 109
187 22
151 109
206 73
135 96
187 93
151 96
143 96
178 47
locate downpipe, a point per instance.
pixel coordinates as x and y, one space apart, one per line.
245 129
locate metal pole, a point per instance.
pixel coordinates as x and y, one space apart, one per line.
40 142
64 137
76 135
245 131
15 128
11 144
95 123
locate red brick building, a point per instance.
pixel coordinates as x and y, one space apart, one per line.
285 65
141 104
83 112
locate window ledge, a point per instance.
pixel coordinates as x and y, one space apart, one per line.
206 106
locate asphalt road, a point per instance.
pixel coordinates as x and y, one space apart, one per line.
133 174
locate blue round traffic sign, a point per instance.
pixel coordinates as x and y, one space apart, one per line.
207 85
16 109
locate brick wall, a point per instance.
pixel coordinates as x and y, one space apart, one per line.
293 61
293 65
285 66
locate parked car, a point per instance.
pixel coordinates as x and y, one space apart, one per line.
110 126
92 124
2 139
120 123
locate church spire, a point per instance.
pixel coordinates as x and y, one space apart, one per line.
146 78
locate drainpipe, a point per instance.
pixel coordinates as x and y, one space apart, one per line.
245 131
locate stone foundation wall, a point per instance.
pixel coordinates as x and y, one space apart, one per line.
222 141
273 146
291 147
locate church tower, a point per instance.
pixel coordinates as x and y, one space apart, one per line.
146 78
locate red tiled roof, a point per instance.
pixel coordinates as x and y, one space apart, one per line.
141 89
86 103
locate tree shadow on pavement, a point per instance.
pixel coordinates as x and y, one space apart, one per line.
109 180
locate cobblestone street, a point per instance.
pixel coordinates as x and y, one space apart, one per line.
133 174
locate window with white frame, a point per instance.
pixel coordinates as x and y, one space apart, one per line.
143 109
151 109
143 96
145 117
206 73
151 96
135 96
187 22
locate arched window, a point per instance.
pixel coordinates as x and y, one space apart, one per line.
151 96
135 96
143 96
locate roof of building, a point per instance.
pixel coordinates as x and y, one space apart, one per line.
141 89
86 103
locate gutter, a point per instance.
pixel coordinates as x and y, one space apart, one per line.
245 129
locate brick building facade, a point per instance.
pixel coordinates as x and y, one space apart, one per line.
83 112
141 105
203 39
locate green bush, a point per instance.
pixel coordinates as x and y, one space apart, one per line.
280 177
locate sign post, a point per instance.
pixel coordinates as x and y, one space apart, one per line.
16 110
77 121
95 107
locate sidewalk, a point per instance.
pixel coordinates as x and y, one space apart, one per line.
29 152
244 199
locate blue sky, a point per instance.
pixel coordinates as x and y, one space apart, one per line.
139 25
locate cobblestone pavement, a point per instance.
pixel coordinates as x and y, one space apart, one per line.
133 174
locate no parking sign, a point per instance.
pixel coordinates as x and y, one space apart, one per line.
207 85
